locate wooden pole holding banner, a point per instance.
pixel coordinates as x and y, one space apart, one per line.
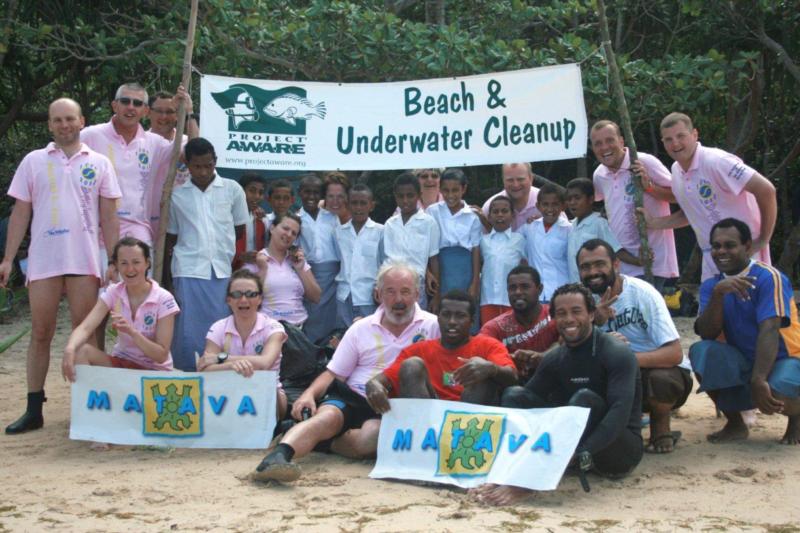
166 193
627 131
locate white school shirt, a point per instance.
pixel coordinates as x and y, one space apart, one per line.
546 251
316 236
462 229
413 242
592 227
204 222
360 257
501 251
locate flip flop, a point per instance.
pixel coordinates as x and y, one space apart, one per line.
653 445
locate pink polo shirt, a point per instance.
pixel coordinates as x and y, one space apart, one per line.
65 195
367 347
137 166
520 217
283 291
158 304
711 190
617 189
224 334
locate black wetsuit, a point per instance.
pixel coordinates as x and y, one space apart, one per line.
601 373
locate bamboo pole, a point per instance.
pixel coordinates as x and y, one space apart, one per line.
627 131
166 193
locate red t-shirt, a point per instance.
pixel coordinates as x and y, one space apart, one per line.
441 362
539 337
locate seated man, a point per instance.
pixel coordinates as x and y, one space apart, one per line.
454 367
594 370
526 330
758 364
335 400
636 310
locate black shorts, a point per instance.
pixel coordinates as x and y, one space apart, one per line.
353 406
665 385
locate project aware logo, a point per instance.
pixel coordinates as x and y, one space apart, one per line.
252 109
468 443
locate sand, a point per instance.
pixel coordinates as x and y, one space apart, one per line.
50 482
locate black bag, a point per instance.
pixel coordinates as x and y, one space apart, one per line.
301 362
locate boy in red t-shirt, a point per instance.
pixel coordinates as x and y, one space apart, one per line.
454 367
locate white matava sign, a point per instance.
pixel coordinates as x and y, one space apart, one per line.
524 115
181 409
468 445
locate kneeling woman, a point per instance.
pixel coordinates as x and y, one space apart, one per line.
247 340
142 313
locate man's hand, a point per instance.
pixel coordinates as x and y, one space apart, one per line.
305 401
181 94
377 396
482 217
619 336
763 398
738 285
474 370
639 169
527 360
604 312
431 283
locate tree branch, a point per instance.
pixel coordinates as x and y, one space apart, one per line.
396 6
281 62
779 50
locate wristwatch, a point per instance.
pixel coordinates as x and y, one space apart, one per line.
222 357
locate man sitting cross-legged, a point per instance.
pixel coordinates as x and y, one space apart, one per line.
335 400
758 364
454 367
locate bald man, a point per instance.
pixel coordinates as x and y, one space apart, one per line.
68 193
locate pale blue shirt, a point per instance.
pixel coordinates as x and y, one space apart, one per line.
360 257
316 236
592 227
501 251
462 229
204 222
413 242
546 251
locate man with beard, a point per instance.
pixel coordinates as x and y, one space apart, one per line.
636 310
758 364
526 330
336 401
593 370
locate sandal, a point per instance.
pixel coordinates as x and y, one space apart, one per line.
657 443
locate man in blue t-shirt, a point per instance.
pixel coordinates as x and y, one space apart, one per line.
758 364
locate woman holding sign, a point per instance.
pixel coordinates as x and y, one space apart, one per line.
247 340
142 313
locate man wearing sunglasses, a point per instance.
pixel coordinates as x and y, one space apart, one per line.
138 156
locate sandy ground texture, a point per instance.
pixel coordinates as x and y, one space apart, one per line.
50 482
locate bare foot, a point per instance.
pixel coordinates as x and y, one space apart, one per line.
731 432
501 494
99 446
792 435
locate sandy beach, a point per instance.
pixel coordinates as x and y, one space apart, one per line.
52 483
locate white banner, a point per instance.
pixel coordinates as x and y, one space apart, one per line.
524 115
181 409
468 445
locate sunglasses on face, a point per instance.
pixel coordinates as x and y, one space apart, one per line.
127 101
238 294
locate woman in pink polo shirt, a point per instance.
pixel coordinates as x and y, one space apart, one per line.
142 313
287 277
247 340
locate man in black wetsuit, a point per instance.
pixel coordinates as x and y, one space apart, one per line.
592 369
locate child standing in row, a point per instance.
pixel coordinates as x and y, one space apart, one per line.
412 236
460 234
546 240
253 238
501 250
280 198
359 244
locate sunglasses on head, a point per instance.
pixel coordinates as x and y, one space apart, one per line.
238 294
127 101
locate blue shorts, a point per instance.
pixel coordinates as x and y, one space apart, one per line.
723 369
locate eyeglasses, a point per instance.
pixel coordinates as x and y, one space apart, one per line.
127 101
160 111
238 294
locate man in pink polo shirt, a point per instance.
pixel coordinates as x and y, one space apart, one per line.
517 185
138 156
613 183
710 184
70 193
335 401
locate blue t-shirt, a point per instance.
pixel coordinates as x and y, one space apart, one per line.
771 297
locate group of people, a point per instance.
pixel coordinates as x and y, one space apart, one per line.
510 304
